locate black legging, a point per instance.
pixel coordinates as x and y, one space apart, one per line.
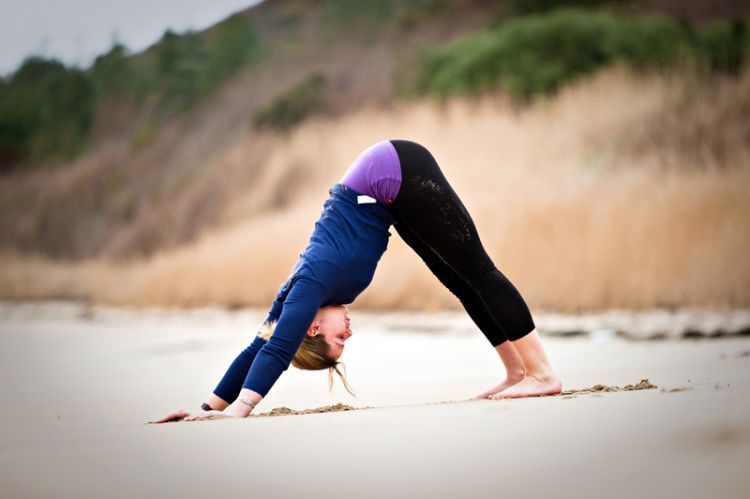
433 221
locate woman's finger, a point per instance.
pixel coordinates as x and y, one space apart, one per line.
172 416
211 415
206 415
194 416
169 417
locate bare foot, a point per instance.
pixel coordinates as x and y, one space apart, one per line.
531 386
509 381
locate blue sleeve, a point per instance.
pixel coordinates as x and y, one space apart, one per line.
300 307
230 385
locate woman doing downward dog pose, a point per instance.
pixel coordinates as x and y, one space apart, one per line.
395 183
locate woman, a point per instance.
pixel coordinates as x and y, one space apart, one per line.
395 183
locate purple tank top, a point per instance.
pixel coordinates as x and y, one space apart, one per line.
376 172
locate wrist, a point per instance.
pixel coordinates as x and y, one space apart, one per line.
238 410
252 399
217 403
247 402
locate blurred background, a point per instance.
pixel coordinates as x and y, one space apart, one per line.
602 147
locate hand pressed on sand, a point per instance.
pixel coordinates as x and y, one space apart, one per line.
183 415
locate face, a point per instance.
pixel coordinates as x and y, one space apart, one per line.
334 324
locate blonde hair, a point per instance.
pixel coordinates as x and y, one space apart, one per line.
312 355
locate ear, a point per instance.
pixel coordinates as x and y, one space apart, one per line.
314 328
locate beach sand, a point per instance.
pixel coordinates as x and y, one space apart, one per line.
79 383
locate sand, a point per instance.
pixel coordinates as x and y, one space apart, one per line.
657 419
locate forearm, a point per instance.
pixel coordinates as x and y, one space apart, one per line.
217 403
231 383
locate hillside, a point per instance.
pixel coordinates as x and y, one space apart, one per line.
147 164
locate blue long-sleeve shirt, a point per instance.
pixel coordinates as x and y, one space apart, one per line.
336 266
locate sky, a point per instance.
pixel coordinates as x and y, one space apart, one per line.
76 31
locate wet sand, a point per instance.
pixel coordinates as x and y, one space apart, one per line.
79 383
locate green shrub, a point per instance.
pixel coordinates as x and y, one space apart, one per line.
293 106
230 45
189 65
723 45
46 110
538 54
113 74
181 68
